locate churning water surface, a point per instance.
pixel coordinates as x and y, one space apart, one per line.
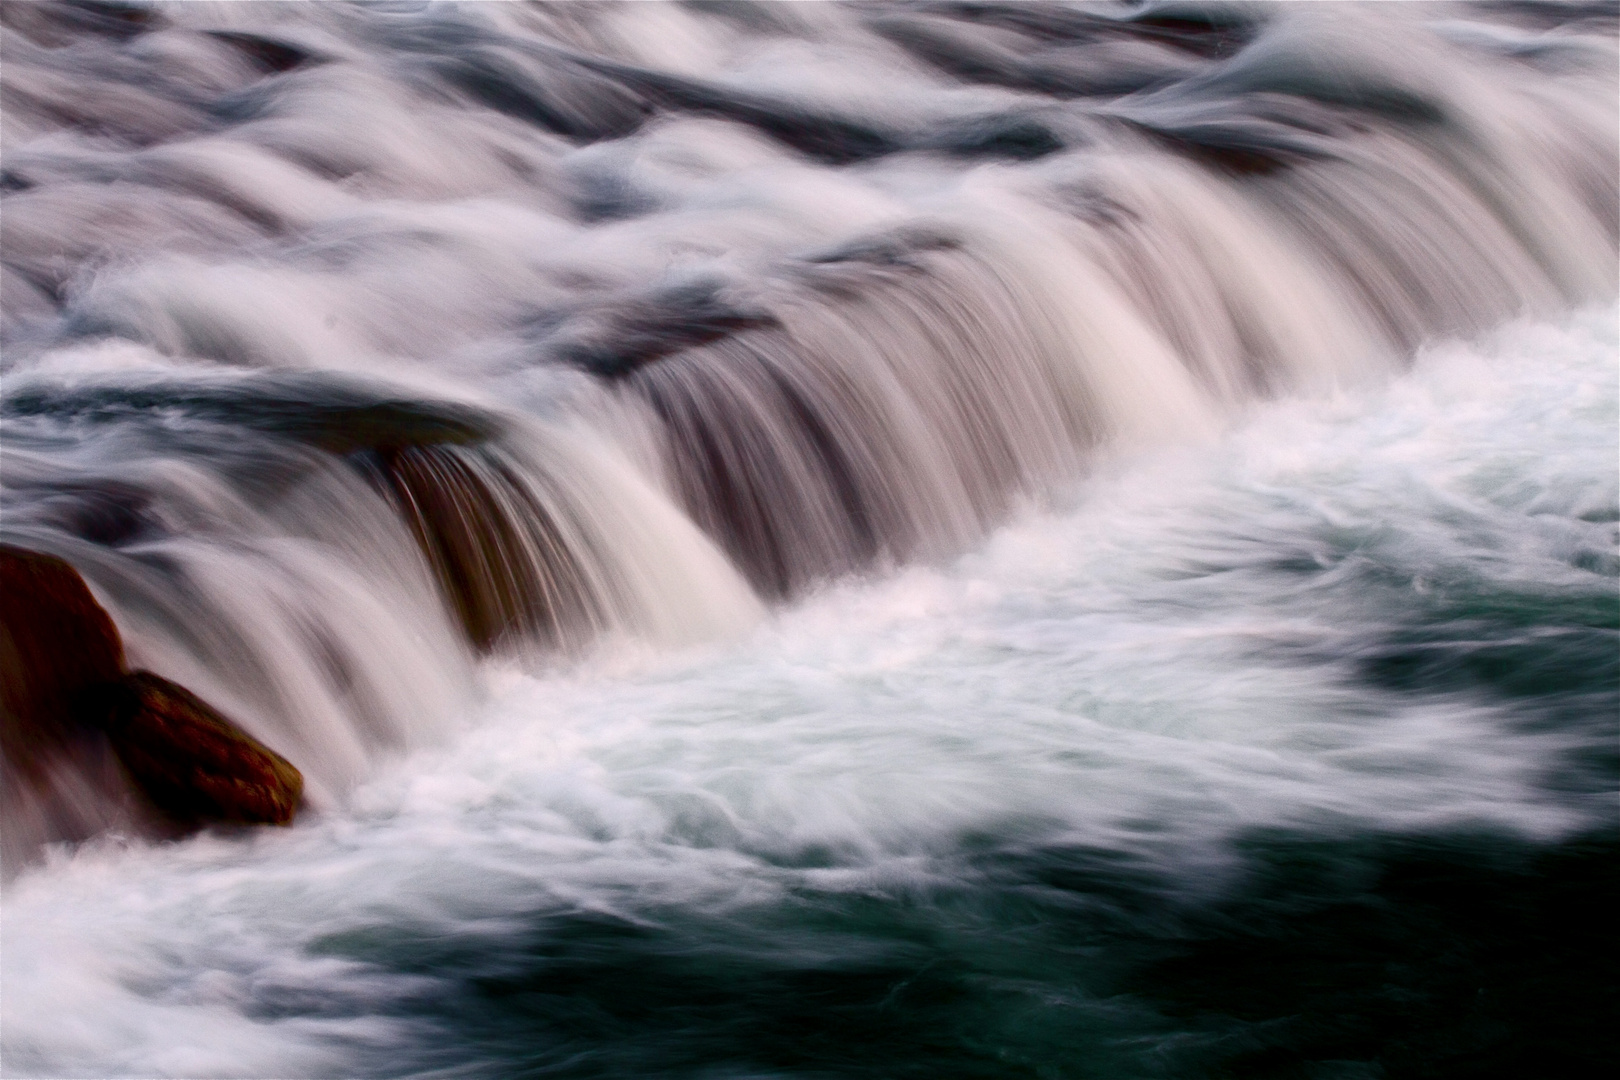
1296 746
828 540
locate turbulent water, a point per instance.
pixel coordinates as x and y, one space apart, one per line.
945 540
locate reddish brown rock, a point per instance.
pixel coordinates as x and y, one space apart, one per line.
70 710
190 761
56 642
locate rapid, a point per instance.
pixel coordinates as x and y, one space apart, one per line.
943 539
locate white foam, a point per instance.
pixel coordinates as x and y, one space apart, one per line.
1135 673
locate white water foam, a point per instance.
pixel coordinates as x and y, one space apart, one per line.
1154 671
848 353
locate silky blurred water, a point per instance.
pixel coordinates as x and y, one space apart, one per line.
827 540
1290 750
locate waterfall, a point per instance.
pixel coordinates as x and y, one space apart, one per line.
346 345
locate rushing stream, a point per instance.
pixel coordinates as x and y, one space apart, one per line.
959 539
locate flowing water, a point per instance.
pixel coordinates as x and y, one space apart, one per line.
951 539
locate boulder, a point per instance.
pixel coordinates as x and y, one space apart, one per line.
56 643
71 709
191 762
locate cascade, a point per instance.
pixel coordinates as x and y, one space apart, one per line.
344 346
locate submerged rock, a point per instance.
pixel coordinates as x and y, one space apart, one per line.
191 762
501 559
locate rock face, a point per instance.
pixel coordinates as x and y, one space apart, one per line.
80 735
192 763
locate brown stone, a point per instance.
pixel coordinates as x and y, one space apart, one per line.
70 710
55 643
191 762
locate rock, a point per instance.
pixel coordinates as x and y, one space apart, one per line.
192 763
502 563
56 643
61 780
70 710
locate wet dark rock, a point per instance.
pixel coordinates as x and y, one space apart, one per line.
502 563
1550 13
1013 137
334 416
267 54
543 86
1211 30
560 96
1257 134
191 762
814 132
60 23
56 643
635 332
1204 30
109 514
976 54
1224 149
503 566
895 249
71 710
999 56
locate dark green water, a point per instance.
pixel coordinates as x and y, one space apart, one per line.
1011 952
1460 955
